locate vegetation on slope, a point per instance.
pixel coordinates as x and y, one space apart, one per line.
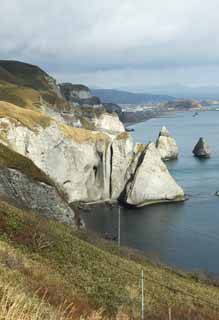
28 86
29 118
50 261
13 160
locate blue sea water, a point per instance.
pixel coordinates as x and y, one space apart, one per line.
184 235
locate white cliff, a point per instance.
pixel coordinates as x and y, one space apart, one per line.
109 122
89 165
26 186
166 145
150 181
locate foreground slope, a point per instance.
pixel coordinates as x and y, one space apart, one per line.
47 260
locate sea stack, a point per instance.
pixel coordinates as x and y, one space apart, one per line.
201 149
151 181
166 145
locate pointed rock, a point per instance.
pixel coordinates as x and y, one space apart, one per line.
150 181
201 149
166 145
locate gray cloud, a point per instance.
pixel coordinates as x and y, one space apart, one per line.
114 43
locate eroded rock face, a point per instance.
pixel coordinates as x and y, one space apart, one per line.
149 180
201 149
109 122
89 165
74 92
34 195
166 145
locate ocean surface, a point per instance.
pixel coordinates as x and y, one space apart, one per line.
184 235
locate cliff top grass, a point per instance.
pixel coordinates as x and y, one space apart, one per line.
83 135
29 118
14 160
54 262
122 136
140 147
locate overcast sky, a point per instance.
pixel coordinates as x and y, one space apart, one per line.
131 44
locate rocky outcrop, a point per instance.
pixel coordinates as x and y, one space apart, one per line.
201 149
166 145
75 92
89 165
109 122
149 180
25 185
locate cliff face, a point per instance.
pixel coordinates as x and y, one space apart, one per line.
26 186
150 180
166 145
30 87
50 127
88 165
74 92
85 163
109 122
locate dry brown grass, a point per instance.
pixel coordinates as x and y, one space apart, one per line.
28 118
83 135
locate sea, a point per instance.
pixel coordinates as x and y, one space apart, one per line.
183 235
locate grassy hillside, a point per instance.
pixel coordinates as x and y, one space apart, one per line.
49 271
28 86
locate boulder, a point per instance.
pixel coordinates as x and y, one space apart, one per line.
166 145
201 149
149 180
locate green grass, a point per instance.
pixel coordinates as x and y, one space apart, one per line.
67 266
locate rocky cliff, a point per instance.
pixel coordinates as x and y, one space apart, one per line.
28 86
26 186
149 180
85 163
89 166
82 148
166 145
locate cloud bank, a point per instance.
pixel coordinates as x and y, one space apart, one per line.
115 43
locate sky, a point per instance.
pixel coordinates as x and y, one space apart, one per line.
131 44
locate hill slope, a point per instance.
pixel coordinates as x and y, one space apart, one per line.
27 86
46 260
125 97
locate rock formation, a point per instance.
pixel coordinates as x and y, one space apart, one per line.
109 122
201 149
166 145
26 186
89 165
149 180
75 92
78 143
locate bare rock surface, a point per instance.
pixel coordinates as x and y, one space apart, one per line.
166 145
201 149
150 181
25 185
